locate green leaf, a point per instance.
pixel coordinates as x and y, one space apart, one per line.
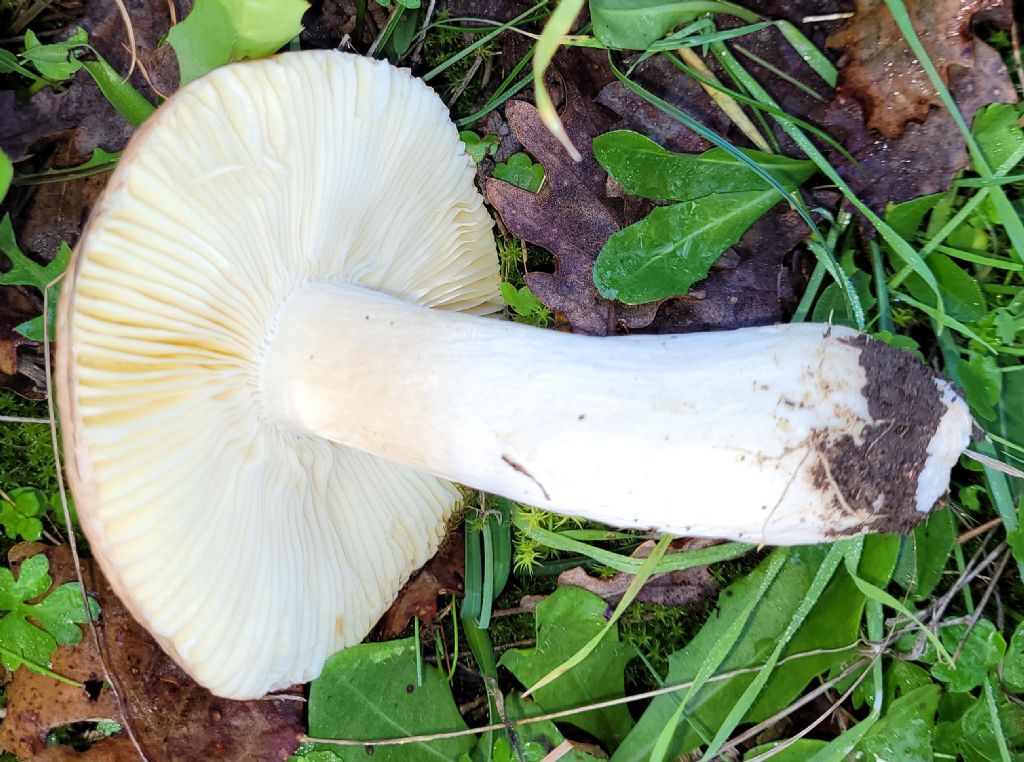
1013 662
524 303
800 751
635 24
960 292
115 88
55 61
933 542
369 691
566 621
19 514
521 172
674 246
646 169
977 737
219 31
536 740
25 272
982 383
478 147
6 174
981 651
905 732
906 218
55 619
834 622
997 130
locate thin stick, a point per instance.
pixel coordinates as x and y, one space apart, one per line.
127 19
995 465
970 534
973 620
22 419
72 542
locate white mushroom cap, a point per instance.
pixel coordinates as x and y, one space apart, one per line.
252 552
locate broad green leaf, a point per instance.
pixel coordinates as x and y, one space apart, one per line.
566 621
960 292
635 24
981 651
982 383
369 691
906 218
6 174
646 169
905 732
673 247
1013 662
832 306
902 677
55 619
878 558
997 130
933 542
521 172
834 622
219 31
25 272
976 740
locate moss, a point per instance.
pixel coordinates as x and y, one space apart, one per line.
26 449
441 44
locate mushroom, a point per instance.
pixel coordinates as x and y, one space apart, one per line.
273 367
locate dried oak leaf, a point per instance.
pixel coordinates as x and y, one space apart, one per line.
172 717
116 749
569 218
443 575
678 588
881 71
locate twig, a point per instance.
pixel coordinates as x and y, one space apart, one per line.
970 534
473 69
827 17
976 615
130 30
417 45
22 419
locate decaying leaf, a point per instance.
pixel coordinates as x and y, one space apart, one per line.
171 716
117 749
569 217
443 575
679 588
882 73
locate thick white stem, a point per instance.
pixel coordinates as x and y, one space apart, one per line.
762 434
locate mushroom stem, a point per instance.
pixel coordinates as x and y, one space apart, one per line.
783 434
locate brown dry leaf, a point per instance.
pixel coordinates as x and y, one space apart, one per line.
443 575
171 716
679 588
882 73
116 749
569 218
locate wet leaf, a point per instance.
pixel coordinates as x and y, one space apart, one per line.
478 147
20 514
980 651
905 732
674 246
635 24
646 169
960 292
369 691
976 735
566 621
998 132
881 72
219 31
521 172
6 174
1013 661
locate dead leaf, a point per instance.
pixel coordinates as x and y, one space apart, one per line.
568 217
881 72
678 588
443 575
171 716
116 749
